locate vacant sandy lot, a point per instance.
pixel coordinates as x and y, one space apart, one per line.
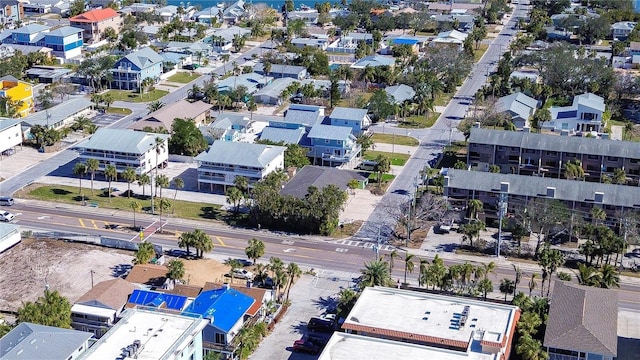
28 267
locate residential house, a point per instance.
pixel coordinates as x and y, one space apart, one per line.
60 115
138 8
224 309
409 324
66 42
125 149
518 107
174 61
29 34
10 134
356 119
47 74
257 311
222 39
234 12
332 145
320 43
584 115
164 117
158 335
208 16
282 71
251 81
282 135
465 22
583 323
374 61
19 93
400 93
298 116
129 72
11 11
526 153
366 38
9 50
452 37
310 16
344 44
622 29
148 276
321 177
227 127
532 75
157 300
170 12
271 94
99 308
9 236
197 50
33 341
95 22
224 160
460 186
40 6
413 43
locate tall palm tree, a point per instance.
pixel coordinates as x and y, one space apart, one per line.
175 270
588 275
528 323
92 166
530 348
423 278
475 207
178 184
375 273
255 249
533 284
233 264
143 180
162 181
164 205
507 286
393 255
129 175
598 215
293 272
186 240
135 207
609 277
111 173
277 271
80 169
408 265
202 242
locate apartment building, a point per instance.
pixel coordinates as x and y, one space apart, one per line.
95 22
19 92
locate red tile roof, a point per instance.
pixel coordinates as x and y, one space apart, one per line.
96 15
435 341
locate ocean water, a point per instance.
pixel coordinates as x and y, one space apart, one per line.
276 4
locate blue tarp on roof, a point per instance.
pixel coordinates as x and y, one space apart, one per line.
400 41
567 114
156 299
223 307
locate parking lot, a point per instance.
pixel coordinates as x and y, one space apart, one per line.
104 120
310 297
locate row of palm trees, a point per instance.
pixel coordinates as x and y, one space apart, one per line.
283 276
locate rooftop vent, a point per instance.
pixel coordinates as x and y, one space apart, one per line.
551 192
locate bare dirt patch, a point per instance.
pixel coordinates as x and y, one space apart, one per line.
198 272
28 267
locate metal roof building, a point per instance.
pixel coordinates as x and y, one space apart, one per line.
33 341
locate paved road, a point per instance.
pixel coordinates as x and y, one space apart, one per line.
309 252
441 133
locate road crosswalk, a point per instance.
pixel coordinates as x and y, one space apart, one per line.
364 244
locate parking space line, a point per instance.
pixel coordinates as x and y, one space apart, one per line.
94 224
220 241
81 222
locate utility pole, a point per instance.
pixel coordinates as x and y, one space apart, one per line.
502 210
376 247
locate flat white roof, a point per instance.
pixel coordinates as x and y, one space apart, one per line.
160 334
429 315
92 310
344 346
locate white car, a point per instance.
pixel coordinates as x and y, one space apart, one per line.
6 216
242 274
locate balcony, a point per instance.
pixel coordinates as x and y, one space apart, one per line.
217 347
231 170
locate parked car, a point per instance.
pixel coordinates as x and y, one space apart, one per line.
267 283
191 66
305 346
6 216
242 274
321 325
6 201
445 226
368 165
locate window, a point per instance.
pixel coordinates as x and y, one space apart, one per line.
501 148
339 142
220 338
326 141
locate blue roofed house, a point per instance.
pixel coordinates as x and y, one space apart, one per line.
622 29
281 71
66 42
227 127
413 43
234 12
401 93
282 135
585 114
298 116
224 160
332 145
225 310
251 81
518 107
130 71
33 341
356 119
158 300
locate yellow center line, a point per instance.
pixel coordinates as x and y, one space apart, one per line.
220 241
81 222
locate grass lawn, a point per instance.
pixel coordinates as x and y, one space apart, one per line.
477 54
183 77
354 98
130 96
443 99
346 230
373 178
419 121
397 139
396 158
119 111
69 195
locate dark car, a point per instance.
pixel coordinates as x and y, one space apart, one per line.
316 324
305 346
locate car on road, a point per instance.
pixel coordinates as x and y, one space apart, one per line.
242 274
321 325
6 216
6 201
305 346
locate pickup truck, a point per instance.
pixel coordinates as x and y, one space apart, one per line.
321 325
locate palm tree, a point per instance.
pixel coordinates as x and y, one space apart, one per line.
145 253
277 272
111 173
186 240
293 272
609 277
80 169
588 275
255 249
92 166
129 175
234 197
475 207
175 270
383 166
619 176
408 265
155 106
485 286
143 180
178 184
423 272
393 255
202 242
529 323
507 286
135 207
162 181
598 215
375 273
233 264
532 283
164 206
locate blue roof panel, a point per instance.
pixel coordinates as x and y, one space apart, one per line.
400 41
223 307
156 299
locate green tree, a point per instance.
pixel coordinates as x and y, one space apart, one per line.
162 181
234 197
202 242
178 184
241 183
76 8
375 273
530 348
145 253
52 309
135 207
293 272
507 286
111 173
365 140
409 265
164 205
129 175
549 260
277 272
175 271
383 166
79 169
381 105
186 240
92 166
475 207
155 106
144 180
186 138
233 264
255 249
485 286
295 156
